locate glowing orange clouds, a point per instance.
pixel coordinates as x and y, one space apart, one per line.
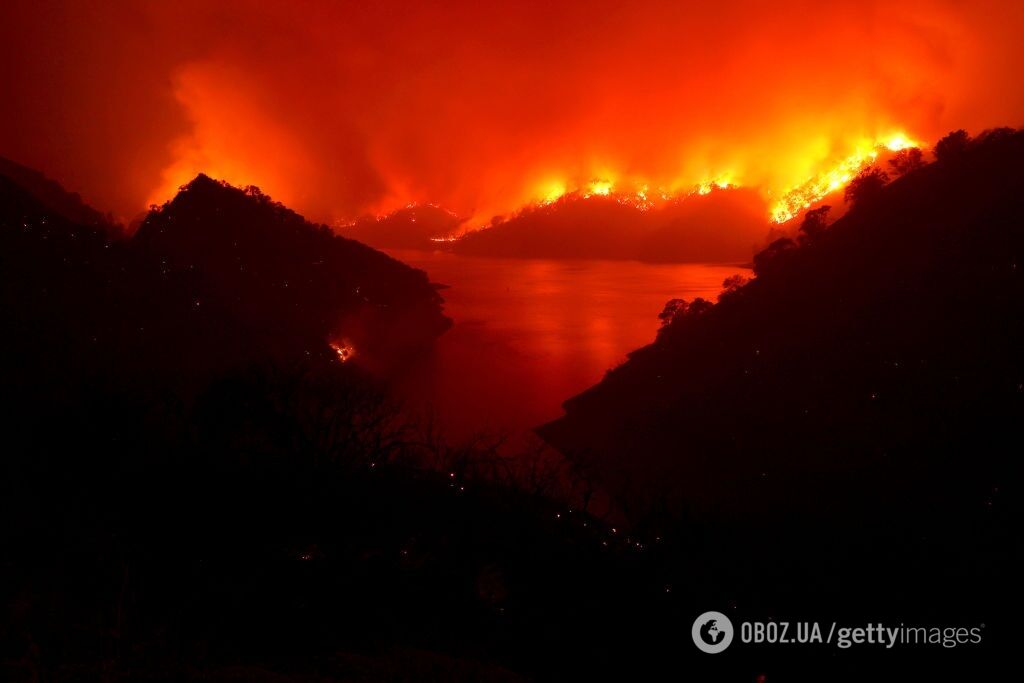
341 109
231 138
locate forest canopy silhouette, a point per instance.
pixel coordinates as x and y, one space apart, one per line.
208 430
902 310
332 347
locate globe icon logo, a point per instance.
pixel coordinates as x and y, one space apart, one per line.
712 632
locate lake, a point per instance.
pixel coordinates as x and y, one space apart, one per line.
530 333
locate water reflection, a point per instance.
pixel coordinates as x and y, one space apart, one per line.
530 333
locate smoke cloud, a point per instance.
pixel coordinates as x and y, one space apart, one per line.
341 109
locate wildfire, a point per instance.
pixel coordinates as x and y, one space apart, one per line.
787 205
640 196
721 183
835 177
601 188
344 349
783 204
898 142
556 190
553 191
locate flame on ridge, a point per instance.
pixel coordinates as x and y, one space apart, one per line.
835 177
787 205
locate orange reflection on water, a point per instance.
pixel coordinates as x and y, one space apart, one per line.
530 333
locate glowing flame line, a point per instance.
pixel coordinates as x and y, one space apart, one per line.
831 180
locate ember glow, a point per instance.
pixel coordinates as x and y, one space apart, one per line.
634 193
830 177
600 187
343 349
835 177
485 108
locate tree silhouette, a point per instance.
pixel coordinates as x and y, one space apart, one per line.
866 186
814 223
953 146
673 308
766 259
733 283
907 160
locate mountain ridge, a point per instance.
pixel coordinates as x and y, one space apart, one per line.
851 331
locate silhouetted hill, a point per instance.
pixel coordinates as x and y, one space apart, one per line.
725 225
55 198
721 226
843 432
216 278
194 487
413 227
285 284
57 292
873 372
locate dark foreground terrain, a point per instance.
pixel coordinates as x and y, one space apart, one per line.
849 420
196 487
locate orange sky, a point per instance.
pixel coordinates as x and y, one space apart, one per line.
341 108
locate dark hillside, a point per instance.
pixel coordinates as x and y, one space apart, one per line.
56 199
888 342
843 432
284 284
724 225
